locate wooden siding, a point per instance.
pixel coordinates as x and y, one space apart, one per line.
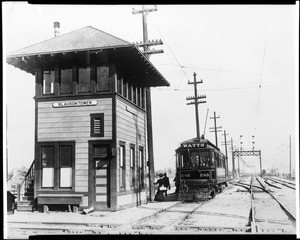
73 123
131 129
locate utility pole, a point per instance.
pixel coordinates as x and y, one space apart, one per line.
233 165
196 102
290 156
239 161
147 54
215 128
226 151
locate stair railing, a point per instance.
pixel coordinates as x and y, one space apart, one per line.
29 177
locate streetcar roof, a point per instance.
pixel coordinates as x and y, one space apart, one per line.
196 143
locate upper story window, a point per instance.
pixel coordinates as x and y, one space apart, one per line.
66 80
129 91
102 75
84 79
125 89
48 82
134 89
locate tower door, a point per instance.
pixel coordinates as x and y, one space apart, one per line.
99 175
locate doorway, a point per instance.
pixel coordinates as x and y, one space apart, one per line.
99 175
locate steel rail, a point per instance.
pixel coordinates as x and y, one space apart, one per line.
284 208
161 228
253 223
132 224
284 183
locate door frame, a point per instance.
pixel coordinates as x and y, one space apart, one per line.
91 171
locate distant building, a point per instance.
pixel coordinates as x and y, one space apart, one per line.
90 119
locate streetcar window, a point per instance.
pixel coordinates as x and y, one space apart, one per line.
177 160
213 159
217 159
194 159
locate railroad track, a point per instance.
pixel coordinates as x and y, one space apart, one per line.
162 221
277 218
151 224
182 217
282 182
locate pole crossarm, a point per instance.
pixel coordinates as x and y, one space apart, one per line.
247 153
144 10
149 43
153 51
190 103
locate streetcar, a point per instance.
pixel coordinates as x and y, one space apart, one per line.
200 170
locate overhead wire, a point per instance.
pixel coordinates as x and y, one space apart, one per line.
181 67
260 81
220 89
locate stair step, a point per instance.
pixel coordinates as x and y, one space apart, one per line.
25 208
28 198
24 203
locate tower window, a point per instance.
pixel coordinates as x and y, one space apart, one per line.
66 80
103 79
84 77
48 82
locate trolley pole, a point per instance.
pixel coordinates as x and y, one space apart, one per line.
196 102
147 54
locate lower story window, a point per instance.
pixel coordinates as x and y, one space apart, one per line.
57 165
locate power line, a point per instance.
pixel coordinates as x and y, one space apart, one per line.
261 74
209 69
171 53
218 89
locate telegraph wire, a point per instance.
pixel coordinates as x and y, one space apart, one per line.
261 74
209 69
181 67
220 89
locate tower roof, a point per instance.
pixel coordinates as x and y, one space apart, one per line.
89 39
86 38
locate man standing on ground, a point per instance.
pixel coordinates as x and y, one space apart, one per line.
166 183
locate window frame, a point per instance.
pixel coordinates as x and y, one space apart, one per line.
141 167
122 166
56 165
50 71
132 159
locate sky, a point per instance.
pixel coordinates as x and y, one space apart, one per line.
246 56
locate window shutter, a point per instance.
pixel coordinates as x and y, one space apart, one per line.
97 125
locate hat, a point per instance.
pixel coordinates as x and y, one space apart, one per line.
165 174
160 174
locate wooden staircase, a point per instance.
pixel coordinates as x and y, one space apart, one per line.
27 202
